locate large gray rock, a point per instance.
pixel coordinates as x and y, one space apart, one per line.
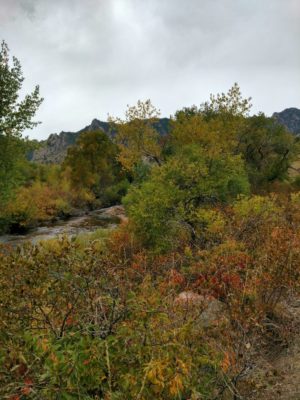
212 311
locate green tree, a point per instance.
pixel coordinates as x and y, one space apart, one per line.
15 116
267 148
167 205
231 104
92 164
224 123
216 123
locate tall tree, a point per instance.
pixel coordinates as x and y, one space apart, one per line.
92 163
137 138
267 148
231 104
216 122
15 116
223 123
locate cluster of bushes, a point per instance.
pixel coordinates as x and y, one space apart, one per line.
112 320
90 177
180 302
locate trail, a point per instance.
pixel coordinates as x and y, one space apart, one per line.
280 376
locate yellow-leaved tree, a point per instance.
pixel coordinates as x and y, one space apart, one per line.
136 136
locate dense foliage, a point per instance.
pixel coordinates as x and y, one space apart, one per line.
15 116
92 166
172 200
180 301
110 320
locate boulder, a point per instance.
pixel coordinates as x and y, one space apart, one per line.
212 311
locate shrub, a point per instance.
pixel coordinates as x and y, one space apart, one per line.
163 209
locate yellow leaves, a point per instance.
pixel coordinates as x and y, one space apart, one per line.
137 139
44 343
212 220
261 207
183 367
155 373
213 135
188 251
176 385
39 202
164 374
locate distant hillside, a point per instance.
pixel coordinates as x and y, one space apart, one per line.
290 118
54 149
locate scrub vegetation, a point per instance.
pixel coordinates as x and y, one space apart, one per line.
182 301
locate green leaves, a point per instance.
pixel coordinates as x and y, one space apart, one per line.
162 208
91 164
15 116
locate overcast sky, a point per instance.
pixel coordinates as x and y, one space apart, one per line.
93 57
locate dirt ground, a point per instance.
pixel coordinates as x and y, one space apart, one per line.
278 376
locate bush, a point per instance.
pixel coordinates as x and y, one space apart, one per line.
163 209
35 204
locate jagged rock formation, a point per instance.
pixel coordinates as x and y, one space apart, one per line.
290 118
54 149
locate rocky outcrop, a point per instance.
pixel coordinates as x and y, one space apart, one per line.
290 118
54 149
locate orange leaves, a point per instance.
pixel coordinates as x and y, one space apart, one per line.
176 385
54 358
28 383
69 321
155 373
228 361
44 344
220 276
225 364
176 278
26 390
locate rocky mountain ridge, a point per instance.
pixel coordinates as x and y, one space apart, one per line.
290 118
54 149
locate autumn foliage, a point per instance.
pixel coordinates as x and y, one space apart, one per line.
180 301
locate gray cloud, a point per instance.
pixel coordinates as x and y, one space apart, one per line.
93 57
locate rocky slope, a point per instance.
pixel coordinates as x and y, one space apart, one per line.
290 118
54 149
